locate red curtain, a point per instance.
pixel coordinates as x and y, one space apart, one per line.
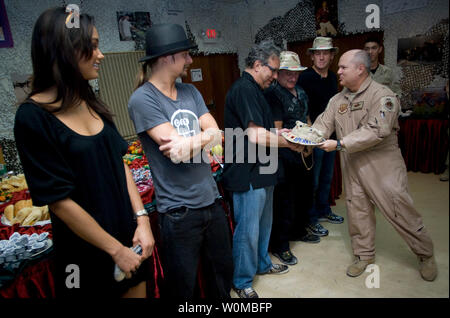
424 144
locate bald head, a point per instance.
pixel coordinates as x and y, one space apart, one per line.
359 57
354 68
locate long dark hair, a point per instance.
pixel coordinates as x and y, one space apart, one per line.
56 50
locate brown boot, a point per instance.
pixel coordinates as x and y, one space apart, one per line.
427 268
359 266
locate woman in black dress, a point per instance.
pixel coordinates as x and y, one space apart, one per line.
71 154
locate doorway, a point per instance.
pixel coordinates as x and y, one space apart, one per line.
344 43
213 76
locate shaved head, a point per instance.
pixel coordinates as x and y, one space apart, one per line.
359 57
354 68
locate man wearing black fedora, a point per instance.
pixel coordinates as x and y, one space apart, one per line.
174 126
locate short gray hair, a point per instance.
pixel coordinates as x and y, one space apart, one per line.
362 57
262 51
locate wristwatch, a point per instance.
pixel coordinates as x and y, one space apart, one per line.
141 213
338 146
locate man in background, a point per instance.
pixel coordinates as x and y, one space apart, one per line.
293 194
320 84
125 27
379 72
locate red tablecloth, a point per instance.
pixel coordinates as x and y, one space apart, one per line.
424 144
36 280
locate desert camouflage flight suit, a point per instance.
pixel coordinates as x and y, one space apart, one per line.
373 167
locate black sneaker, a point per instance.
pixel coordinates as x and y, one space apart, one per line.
277 269
332 218
286 257
308 238
246 293
317 229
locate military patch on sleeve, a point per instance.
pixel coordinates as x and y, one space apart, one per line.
388 104
343 108
357 106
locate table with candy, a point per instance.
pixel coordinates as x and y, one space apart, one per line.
25 243
26 263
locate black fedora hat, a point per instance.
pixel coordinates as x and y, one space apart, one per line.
166 38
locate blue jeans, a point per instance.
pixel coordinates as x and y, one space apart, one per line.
253 217
188 236
322 177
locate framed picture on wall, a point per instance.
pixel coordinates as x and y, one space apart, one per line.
5 32
132 27
430 102
22 86
326 15
421 49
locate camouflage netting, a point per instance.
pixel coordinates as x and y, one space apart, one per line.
296 25
420 76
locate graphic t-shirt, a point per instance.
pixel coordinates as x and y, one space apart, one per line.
183 184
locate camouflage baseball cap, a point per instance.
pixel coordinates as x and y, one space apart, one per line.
290 61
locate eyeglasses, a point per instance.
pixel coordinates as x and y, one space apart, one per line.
273 70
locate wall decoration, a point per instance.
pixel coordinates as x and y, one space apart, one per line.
6 39
191 38
424 49
430 102
442 29
196 75
132 27
10 155
22 86
326 17
296 25
175 16
420 75
390 6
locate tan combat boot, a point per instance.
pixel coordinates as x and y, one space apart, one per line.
427 268
359 266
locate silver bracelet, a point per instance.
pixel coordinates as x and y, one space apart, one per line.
142 212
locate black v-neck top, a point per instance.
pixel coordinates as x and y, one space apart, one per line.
59 163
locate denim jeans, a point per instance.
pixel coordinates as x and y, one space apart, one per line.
188 234
322 177
253 218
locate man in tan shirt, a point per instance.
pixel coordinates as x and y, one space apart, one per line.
364 116
379 72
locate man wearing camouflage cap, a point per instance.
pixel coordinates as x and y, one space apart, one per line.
293 193
320 84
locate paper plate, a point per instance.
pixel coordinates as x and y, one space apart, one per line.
48 244
299 140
